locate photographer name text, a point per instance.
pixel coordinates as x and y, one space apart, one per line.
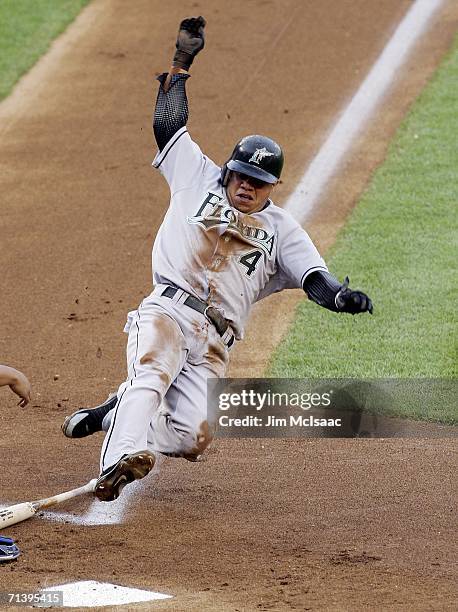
273 421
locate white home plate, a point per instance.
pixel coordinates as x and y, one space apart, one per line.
90 593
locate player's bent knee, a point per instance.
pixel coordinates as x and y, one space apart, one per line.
201 439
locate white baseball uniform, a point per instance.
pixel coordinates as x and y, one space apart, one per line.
230 260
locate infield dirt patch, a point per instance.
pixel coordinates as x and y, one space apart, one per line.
263 524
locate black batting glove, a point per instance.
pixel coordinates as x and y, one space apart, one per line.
190 41
352 302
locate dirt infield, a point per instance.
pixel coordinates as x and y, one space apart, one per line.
263 524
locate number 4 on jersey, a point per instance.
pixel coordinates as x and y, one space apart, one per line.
250 261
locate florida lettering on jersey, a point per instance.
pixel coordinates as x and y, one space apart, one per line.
216 211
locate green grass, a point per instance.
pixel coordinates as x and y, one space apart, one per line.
27 27
400 246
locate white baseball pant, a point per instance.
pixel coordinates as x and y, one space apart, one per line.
162 406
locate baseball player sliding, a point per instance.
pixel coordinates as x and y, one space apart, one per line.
222 246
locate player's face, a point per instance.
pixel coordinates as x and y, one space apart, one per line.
246 193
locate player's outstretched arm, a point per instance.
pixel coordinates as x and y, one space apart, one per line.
171 113
325 290
18 382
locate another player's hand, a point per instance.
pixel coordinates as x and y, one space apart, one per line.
22 387
190 41
352 302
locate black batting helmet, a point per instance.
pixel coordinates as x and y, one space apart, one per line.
256 156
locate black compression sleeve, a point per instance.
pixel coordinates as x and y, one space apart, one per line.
171 111
321 287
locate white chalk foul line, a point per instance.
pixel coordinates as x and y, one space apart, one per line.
356 114
98 513
110 513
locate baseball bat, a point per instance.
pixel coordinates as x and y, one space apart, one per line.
22 512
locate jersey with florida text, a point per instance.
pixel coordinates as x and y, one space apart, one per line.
210 249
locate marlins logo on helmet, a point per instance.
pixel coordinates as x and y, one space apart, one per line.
259 155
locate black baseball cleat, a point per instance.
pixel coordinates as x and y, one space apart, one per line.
129 468
86 421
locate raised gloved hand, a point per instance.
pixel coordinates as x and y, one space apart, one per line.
353 302
190 41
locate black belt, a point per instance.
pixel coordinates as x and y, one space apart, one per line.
212 314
